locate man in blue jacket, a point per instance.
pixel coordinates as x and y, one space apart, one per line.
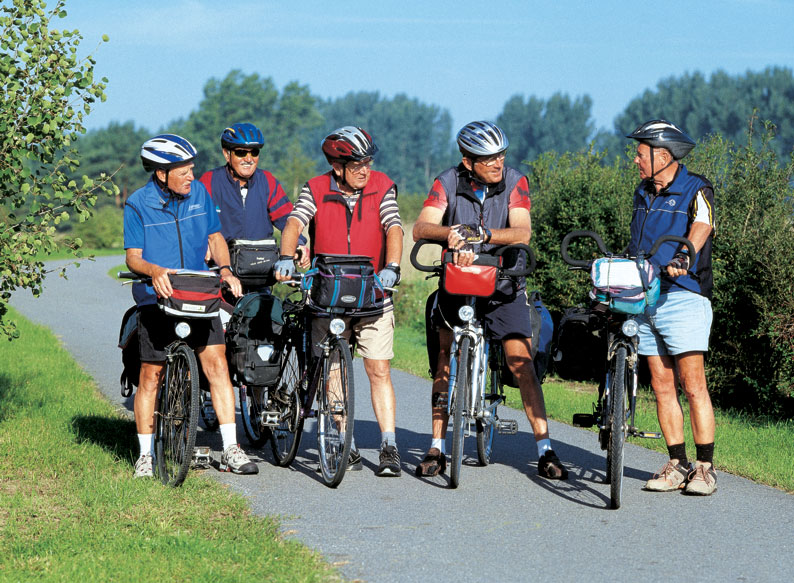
171 224
674 334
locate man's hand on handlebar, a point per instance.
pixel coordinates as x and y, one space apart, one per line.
231 280
302 256
461 241
161 283
678 265
284 268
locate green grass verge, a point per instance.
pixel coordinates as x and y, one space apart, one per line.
758 449
70 509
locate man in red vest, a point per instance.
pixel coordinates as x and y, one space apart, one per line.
352 210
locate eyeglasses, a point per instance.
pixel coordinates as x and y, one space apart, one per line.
356 168
243 153
490 160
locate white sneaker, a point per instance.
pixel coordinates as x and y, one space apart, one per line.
234 460
143 466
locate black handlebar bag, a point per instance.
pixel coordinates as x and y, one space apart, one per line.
195 296
253 261
344 281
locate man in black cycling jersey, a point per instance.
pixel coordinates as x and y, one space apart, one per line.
474 207
169 224
674 334
352 210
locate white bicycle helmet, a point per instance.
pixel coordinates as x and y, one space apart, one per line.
482 138
166 151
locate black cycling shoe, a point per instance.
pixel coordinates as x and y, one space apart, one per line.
389 462
550 466
354 461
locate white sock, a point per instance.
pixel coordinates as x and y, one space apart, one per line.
145 442
544 445
228 434
439 443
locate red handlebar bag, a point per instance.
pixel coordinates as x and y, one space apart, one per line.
478 279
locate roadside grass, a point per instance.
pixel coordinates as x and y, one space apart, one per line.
755 448
71 510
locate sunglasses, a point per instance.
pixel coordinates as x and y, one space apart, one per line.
243 153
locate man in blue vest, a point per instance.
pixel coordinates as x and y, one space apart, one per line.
485 201
674 334
352 210
171 224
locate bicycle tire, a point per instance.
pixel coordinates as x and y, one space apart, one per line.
618 427
177 416
486 430
458 397
252 403
286 398
335 410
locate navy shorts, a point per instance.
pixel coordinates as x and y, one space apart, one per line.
156 332
504 316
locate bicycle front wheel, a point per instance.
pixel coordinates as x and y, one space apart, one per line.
458 396
285 438
176 417
619 406
335 401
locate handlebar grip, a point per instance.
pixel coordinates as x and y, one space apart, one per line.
577 235
675 238
531 261
127 275
415 251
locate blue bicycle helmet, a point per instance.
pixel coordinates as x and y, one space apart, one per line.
166 151
242 135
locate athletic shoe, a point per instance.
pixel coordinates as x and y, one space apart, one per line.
671 477
433 464
702 481
234 460
550 466
354 461
389 462
143 466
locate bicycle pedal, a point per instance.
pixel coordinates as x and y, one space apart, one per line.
201 458
507 426
270 418
646 434
583 420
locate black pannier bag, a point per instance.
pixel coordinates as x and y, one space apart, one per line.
343 281
252 261
195 295
130 352
252 339
579 350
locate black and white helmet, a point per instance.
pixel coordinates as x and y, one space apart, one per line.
659 133
482 138
166 151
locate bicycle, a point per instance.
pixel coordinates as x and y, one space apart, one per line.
177 402
471 357
615 407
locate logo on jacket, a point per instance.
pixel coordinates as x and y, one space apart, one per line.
670 202
193 207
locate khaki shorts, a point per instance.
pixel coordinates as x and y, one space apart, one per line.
372 336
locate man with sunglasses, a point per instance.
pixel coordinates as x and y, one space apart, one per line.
352 210
249 202
474 207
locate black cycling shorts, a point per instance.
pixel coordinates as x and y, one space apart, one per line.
156 332
504 316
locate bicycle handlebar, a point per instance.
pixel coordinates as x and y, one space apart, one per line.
585 263
531 262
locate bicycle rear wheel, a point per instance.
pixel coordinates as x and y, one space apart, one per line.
619 406
252 403
487 430
335 405
458 396
285 396
177 415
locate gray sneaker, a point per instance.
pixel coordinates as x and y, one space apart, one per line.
143 466
234 460
702 480
671 477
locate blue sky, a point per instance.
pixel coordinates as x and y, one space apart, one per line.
466 57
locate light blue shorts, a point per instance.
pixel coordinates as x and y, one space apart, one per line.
679 322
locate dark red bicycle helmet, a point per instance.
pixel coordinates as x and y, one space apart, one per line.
348 144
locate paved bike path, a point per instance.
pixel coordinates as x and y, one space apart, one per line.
502 524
